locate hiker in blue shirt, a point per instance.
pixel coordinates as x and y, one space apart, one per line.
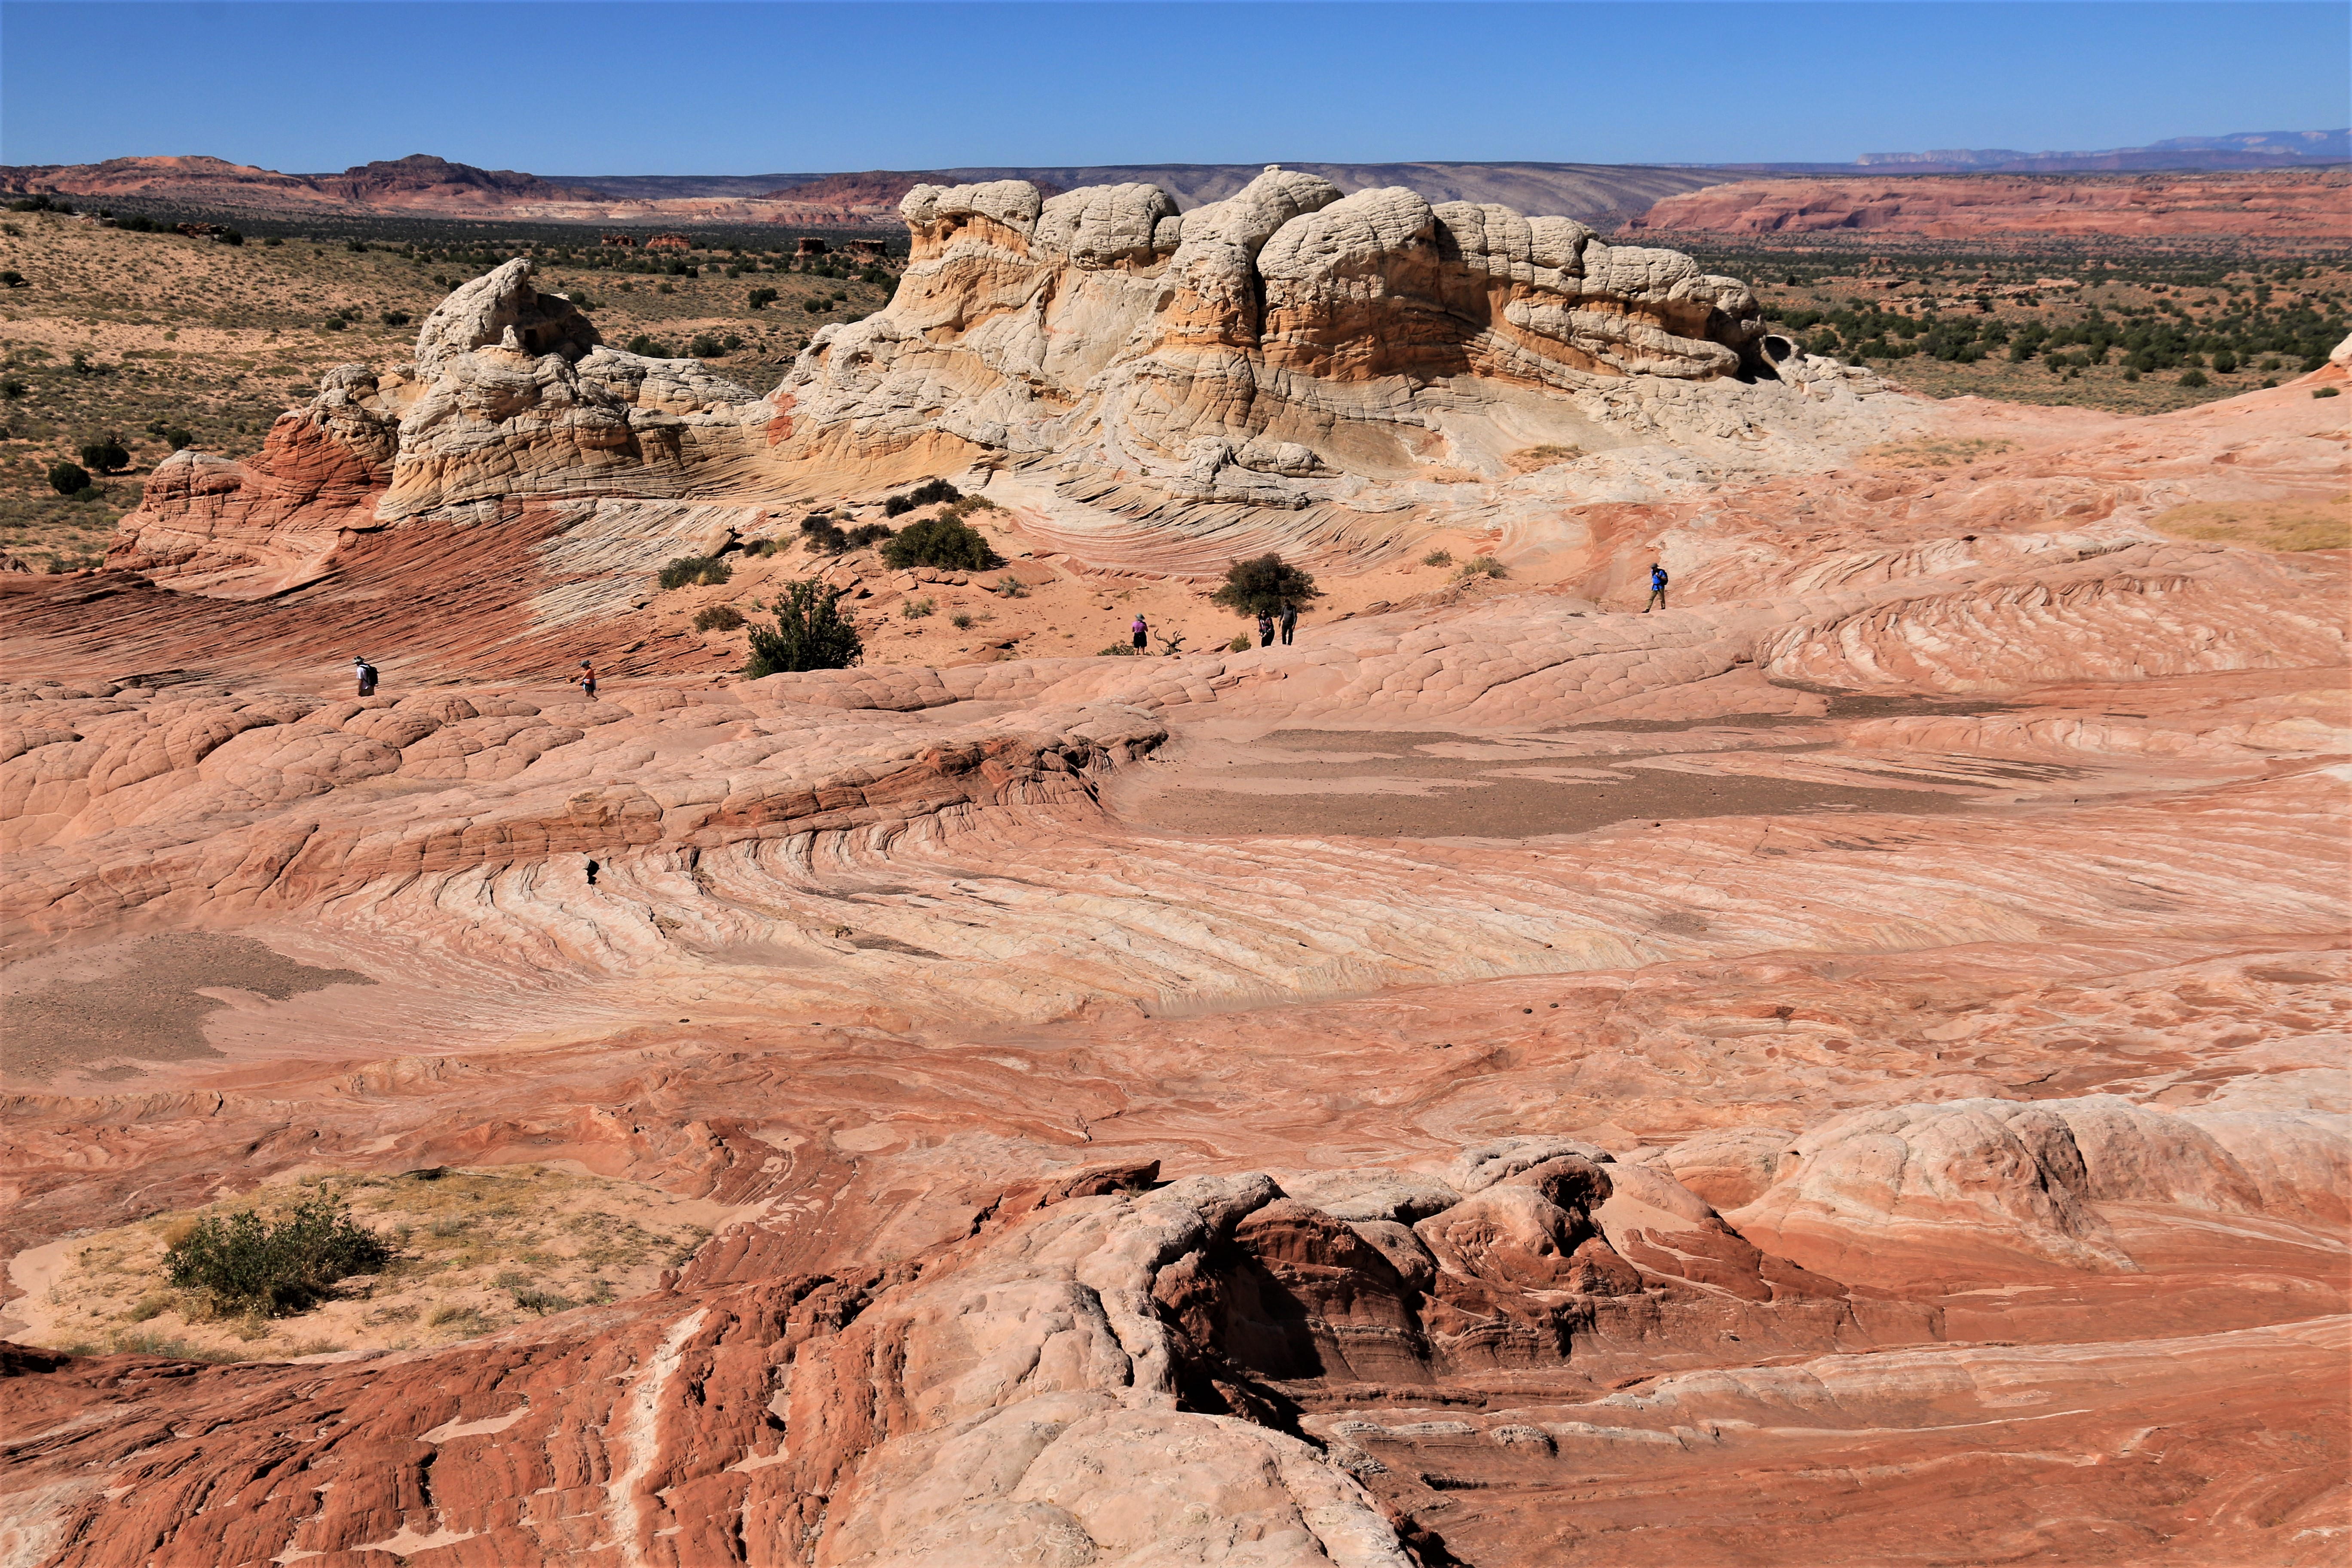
1657 588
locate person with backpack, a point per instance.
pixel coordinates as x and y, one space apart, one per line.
363 675
1290 621
1140 632
1657 588
1265 629
586 680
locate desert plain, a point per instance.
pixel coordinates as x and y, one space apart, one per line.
1843 1065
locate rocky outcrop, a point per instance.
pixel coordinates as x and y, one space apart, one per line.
1285 344
512 398
519 399
274 521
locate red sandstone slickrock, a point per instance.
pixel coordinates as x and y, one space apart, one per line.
1847 1068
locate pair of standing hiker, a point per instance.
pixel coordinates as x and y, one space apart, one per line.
1265 625
363 674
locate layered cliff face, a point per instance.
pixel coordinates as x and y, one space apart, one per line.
1287 335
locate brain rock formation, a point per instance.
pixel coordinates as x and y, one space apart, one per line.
1845 1067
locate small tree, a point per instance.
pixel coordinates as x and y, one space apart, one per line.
761 298
1259 586
940 542
69 478
105 455
178 439
810 633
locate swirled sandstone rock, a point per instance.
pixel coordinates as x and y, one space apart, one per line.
1100 327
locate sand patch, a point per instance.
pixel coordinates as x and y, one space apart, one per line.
2286 526
146 999
476 1250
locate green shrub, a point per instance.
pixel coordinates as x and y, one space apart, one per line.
1011 587
178 439
811 634
1438 558
1259 586
2193 378
394 317
940 542
2327 392
245 1264
69 478
705 346
686 570
761 298
915 609
648 347
718 618
924 494
1241 644
960 620
1116 650
1480 566
11 387
105 455
11 278
542 1302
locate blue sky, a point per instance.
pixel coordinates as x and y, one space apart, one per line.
654 87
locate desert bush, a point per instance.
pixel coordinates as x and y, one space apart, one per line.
866 533
1011 587
1438 558
2194 378
1116 651
811 634
705 346
105 455
461 1319
761 298
2225 362
915 609
2327 392
178 439
1259 585
940 542
69 478
542 1302
960 620
11 278
718 618
649 348
686 570
11 387
394 317
924 494
1480 566
1241 644
243 1263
